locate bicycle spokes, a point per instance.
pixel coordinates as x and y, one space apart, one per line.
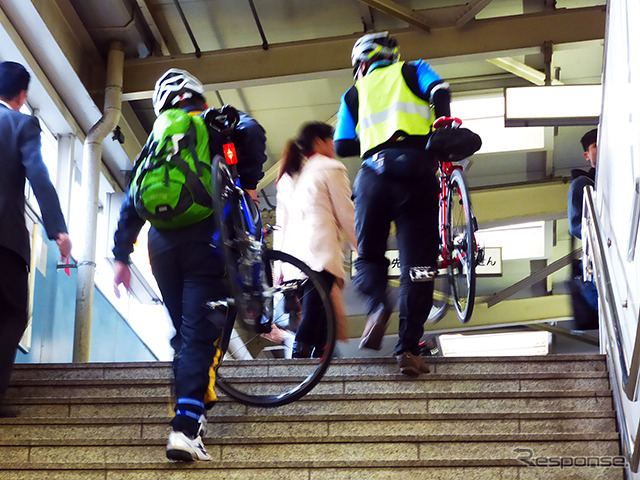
265 342
460 246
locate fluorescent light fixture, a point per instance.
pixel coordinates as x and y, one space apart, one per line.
497 138
520 241
484 115
495 344
554 105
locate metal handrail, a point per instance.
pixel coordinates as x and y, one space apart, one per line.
635 222
626 372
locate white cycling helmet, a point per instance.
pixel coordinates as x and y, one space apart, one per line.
374 46
175 85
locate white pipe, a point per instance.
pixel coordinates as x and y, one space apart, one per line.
91 159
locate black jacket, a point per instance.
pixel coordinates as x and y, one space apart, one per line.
20 159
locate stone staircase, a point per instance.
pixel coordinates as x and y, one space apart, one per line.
465 420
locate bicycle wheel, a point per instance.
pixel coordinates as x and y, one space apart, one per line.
258 368
461 247
440 299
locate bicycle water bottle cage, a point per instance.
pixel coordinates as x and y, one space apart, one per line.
423 274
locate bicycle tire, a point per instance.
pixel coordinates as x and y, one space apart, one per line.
252 370
461 247
440 303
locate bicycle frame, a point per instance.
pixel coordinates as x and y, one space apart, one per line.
257 303
446 169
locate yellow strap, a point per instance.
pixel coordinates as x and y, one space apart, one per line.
210 395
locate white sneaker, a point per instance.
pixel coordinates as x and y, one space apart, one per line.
202 427
182 448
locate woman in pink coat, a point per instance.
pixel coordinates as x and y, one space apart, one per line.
314 211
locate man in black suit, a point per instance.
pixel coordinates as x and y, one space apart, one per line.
20 160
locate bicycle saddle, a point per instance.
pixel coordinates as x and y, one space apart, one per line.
224 120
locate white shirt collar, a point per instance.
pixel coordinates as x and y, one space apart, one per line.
2 102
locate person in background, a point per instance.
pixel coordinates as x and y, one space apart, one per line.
584 295
581 179
386 118
189 273
21 160
314 211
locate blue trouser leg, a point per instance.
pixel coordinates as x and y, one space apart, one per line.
373 219
188 276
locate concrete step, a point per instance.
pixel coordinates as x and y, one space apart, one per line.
479 418
330 385
373 470
260 427
325 451
371 404
339 367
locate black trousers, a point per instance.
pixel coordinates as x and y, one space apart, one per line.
14 283
312 330
189 275
408 197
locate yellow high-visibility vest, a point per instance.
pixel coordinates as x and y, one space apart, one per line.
386 106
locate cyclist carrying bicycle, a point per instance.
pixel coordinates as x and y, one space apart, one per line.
386 118
187 269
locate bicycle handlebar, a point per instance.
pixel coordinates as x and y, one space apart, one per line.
447 122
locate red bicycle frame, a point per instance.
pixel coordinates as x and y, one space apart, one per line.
446 169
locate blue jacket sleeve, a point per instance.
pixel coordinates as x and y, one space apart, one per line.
129 226
427 77
38 176
575 196
345 136
434 89
345 125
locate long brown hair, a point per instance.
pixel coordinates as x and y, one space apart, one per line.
302 146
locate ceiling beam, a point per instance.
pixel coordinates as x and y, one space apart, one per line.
153 26
522 70
398 11
285 62
543 200
368 22
470 10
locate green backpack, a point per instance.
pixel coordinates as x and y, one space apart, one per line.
171 182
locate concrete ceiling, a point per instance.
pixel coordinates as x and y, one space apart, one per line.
298 68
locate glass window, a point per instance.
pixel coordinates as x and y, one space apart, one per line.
49 156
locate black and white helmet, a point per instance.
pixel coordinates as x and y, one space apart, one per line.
175 85
374 46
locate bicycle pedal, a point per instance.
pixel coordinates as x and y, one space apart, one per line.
422 274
